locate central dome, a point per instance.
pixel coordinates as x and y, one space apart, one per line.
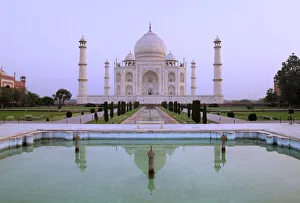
150 45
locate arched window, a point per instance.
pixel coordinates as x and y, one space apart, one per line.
171 77
150 80
129 77
118 77
171 90
181 90
181 77
128 90
118 90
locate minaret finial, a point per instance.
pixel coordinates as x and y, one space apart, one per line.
150 27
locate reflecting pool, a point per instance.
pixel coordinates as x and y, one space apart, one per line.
117 171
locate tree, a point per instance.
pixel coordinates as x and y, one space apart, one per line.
61 96
47 101
130 106
111 110
204 119
196 116
288 81
119 108
271 98
189 110
96 116
105 113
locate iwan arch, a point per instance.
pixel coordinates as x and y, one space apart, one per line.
150 75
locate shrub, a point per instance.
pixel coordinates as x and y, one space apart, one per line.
130 106
69 114
213 105
204 115
90 105
100 109
189 110
10 118
82 112
230 114
96 116
250 107
47 119
92 110
175 106
178 108
119 108
105 115
171 106
196 116
111 113
252 117
28 118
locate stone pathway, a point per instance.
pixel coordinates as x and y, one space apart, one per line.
145 114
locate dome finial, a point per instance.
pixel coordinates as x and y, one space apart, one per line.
150 27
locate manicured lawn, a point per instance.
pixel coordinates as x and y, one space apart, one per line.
116 119
52 108
261 115
182 117
39 116
241 108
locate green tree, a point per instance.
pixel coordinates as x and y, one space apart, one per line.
119 108
111 110
189 110
105 113
271 99
204 116
96 116
288 80
61 96
47 101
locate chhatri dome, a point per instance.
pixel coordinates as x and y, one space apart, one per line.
150 45
130 57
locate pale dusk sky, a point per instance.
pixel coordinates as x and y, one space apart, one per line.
40 40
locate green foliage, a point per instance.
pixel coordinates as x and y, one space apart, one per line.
171 106
119 108
90 105
178 108
250 107
213 105
175 106
130 106
204 119
47 101
69 114
127 106
136 104
100 109
105 114
96 116
230 114
61 96
271 99
189 110
196 116
111 110
164 104
252 117
82 112
288 80
93 110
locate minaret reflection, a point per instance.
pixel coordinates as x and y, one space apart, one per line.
80 158
217 152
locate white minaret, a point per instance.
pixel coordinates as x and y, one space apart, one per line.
106 79
217 68
193 78
82 80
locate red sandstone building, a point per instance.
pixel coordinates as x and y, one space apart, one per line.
10 81
276 88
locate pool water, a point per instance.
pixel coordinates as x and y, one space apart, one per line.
52 172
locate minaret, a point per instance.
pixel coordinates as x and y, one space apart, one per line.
106 79
82 86
193 78
217 68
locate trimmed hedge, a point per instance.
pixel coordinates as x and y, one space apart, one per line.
252 117
230 114
69 114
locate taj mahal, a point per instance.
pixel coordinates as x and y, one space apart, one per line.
150 75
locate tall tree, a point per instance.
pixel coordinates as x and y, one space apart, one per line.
271 99
61 96
111 110
47 101
288 79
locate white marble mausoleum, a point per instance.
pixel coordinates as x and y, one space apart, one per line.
150 75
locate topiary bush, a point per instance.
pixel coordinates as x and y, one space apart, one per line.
69 114
93 110
230 114
47 119
204 119
82 112
252 117
100 109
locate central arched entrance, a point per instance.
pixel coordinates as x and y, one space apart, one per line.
150 84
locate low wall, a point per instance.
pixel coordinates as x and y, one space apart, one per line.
28 139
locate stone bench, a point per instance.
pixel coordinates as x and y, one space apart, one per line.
150 122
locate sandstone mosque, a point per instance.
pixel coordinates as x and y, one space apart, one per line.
150 75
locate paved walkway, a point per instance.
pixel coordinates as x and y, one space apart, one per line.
145 114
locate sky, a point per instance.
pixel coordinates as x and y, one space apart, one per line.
40 40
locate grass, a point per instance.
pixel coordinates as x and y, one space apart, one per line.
40 115
116 119
182 117
51 108
261 115
243 108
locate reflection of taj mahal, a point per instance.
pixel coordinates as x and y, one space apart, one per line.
150 75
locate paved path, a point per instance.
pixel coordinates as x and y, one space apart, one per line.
145 114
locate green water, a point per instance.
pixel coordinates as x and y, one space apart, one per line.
53 173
